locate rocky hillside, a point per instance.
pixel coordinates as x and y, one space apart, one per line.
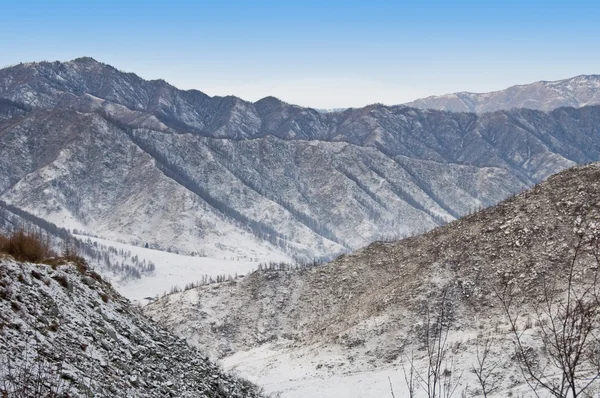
88 147
371 302
575 92
64 331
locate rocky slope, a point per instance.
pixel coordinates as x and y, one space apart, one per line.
65 331
575 92
372 304
91 148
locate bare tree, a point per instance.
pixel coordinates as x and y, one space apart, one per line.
484 369
392 388
440 380
567 321
409 374
31 376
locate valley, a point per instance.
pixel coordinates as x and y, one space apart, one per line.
307 251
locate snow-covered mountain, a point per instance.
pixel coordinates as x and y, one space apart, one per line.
341 329
106 153
575 92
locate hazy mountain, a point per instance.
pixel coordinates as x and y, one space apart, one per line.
575 92
91 148
361 313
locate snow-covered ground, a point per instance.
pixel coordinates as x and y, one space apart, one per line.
325 371
171 270
317 372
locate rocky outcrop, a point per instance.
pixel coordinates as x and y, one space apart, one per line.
64 331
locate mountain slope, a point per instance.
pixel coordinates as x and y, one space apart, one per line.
370 305
575 92
91 148
67 332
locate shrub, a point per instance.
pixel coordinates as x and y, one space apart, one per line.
71 254
96 276
36 274
53 326
80 264
62 280
24 246
104 297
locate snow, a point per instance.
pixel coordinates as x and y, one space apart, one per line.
171 270
311 372
325 371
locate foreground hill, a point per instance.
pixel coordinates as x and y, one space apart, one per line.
371 305
575 92
66 332
91 148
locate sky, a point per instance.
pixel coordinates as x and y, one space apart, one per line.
322 54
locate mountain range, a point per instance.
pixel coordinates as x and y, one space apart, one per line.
106 153
436 204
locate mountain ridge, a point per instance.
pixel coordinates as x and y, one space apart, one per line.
285 181
468 101
541 95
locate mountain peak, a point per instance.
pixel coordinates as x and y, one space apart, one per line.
85 60
269 99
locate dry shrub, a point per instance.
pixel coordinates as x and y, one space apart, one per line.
69 256
53 326
80 264
96 276
36 274
25 246
54 262
62 280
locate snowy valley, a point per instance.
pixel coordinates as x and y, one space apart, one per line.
314 253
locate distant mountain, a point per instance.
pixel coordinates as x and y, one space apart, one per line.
575 92
331 110
91 148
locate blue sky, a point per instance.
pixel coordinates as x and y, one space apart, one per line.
322 54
